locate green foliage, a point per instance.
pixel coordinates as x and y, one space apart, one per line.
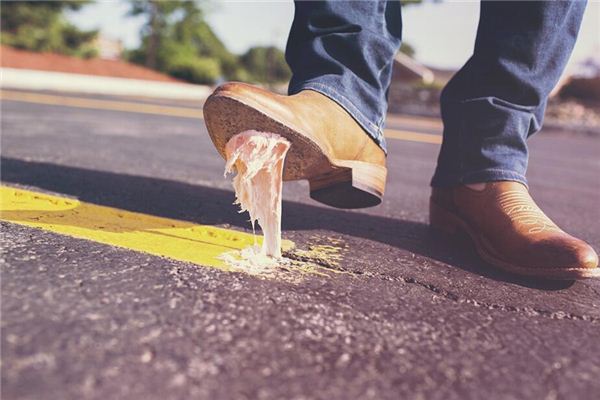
156 28
407 49
40 26
266 64
177 40
196 70
410 2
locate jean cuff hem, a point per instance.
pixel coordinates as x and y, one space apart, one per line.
485 175
375 131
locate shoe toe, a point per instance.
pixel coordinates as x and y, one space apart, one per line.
563 251
579 254
587 257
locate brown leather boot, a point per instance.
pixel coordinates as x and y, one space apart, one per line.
511 232
344 166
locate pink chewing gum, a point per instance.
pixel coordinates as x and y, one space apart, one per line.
257 158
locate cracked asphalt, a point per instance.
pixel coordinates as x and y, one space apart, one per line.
410 315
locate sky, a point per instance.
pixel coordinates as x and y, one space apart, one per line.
443 33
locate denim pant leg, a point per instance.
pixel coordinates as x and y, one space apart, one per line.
345 50
497 100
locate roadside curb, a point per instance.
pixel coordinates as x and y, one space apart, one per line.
34 80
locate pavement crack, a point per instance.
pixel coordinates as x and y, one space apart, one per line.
322 262
529 311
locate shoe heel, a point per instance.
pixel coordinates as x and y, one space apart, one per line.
350 184
443 221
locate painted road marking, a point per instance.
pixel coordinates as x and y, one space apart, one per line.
178 240
96 104
184 112
413 136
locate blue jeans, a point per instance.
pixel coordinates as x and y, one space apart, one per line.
345 50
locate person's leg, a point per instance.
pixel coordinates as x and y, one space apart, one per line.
490 108
497 100
345 50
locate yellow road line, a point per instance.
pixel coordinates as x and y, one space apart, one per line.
97 104
184 112
413 136
178 240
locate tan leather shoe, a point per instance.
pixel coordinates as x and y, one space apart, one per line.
344 166
511 232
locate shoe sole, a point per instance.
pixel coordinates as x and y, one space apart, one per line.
337 183
448 223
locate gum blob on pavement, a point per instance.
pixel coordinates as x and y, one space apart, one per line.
257 158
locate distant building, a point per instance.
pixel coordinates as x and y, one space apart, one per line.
415 88
581 80
108 49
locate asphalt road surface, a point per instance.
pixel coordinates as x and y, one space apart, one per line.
405 315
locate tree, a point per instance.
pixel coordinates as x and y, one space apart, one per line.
40 26
177 40
266 64
157 14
